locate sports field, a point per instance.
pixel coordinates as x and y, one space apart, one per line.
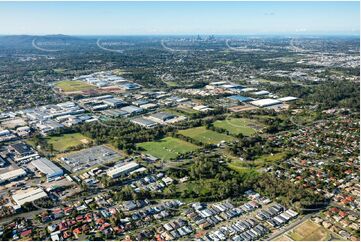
63 142
205 136
167 148
237 126
309 231
74 86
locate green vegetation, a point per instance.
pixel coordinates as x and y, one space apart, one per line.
64 142
205 136
239 167
167 148
74 86
238 126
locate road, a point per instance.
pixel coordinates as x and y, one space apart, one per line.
289 227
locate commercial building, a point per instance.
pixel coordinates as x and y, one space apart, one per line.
265 102
114 102
260 93
30 195
161 117
122 170
48 168
287 99
131 109
240 98
147 123
12 175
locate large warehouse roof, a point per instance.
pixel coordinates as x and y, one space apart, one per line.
117 171
287 99
29 195
265 102
12 175
47 167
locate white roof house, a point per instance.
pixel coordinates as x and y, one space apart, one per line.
47 167
265 102
29 195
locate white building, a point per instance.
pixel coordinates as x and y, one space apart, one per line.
12 175
116 172
48 168
29 195
265 102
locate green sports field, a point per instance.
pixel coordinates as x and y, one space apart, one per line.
63 142
167 148
74 86
205 136
237 126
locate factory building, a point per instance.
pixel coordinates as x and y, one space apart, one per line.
116 172
12 175
48 168
30 195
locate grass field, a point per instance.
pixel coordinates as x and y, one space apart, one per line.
237 126
167 148
271 158
74 86
66 141
309 231
205 136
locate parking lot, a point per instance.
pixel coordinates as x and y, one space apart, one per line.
86 158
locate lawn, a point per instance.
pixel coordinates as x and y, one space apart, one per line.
205 136
167 148
237 126
271 158
63 142
74 86
309 231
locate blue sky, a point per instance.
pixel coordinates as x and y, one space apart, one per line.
127 18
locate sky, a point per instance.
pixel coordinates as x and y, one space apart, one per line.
146 18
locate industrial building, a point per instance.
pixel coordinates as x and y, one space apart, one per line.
161 117
240 98
287 99
131 109
265 102
48 168
12 175
147 123
117 171
30 195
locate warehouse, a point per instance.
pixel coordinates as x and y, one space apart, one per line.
147 123
261 93
132 109
240 98
121 170
48 168
114 102
161 117
265 102
12 175
30 195
287 99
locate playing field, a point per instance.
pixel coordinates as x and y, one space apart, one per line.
167 148
309 231
205 136
63 142
74 86
237 126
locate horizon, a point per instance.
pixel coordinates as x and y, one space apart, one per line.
179 18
